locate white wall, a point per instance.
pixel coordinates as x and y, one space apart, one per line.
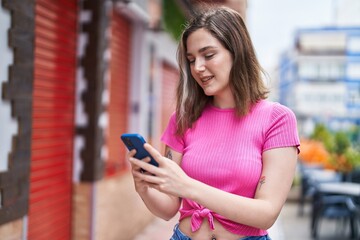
147 48
8 125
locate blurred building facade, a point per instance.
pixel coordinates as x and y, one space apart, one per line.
75 75
320 77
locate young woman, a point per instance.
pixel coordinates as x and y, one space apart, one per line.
230 154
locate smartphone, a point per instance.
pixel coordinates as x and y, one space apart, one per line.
136 141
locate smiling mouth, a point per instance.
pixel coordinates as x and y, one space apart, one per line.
206 79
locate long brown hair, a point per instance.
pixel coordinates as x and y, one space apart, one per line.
245 82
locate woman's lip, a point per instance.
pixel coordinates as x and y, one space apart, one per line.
205 79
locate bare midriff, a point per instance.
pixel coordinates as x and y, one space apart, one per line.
205 232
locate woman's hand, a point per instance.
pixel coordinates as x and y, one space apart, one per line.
140 185
168 178
152 184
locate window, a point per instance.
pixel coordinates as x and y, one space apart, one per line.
321 70
353 46
353 70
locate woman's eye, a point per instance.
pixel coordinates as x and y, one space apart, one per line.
191 61
209 56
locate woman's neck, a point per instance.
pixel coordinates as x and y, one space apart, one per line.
224 103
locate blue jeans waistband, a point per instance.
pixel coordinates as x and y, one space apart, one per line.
178 235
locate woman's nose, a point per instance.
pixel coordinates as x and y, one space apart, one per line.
199 65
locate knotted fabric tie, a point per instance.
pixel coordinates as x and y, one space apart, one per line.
198 216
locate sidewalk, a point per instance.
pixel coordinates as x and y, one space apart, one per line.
289 226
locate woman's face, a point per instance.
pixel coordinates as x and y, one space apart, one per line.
210 63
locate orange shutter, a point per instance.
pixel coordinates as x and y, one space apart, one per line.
53 120
118 89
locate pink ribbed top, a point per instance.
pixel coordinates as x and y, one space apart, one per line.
225 151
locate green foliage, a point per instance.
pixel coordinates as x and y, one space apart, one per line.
353 157
354 135
341 143
321 133
173 18
344 153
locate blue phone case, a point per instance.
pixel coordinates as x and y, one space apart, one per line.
136 141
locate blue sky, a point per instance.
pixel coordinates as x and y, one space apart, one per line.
272 24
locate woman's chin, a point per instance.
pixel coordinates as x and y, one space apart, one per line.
208 92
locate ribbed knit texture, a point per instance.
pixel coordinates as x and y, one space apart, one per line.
225 151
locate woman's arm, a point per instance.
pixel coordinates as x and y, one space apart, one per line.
261 212
160 204
278 172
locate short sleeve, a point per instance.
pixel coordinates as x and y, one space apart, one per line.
170 138
282 129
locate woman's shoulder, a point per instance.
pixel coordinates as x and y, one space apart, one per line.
271 107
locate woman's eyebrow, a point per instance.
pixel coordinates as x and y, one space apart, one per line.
203 49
